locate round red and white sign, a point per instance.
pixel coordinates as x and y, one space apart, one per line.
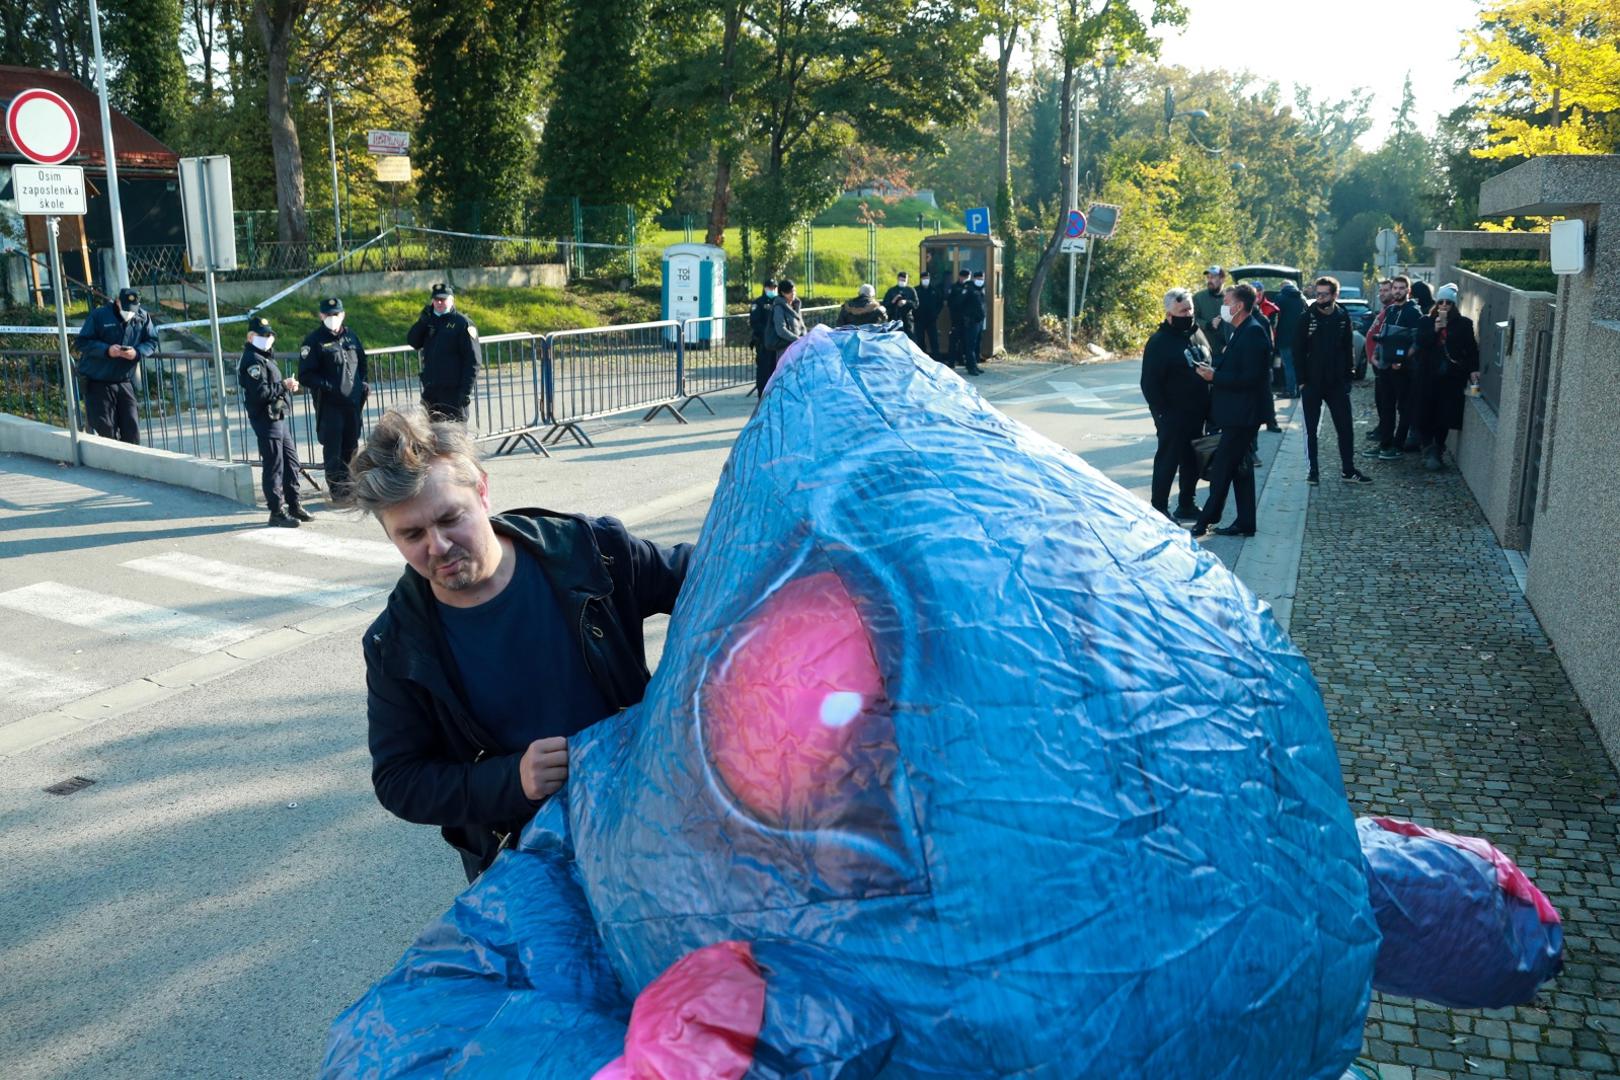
43 126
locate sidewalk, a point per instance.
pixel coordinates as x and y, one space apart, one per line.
1450 709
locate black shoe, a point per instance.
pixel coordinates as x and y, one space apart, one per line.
974 371
1389 453
280 519
1233 530
300 513
1274 427
1433 461
1371 436
1188 513
1356 476
1313 479
1198 529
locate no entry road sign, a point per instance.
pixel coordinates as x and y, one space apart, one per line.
42 126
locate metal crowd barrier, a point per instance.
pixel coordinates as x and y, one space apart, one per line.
533 390
605 370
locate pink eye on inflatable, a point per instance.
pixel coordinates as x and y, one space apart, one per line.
795 712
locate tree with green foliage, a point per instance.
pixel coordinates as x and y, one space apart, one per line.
609 136
1087 29
837 72
1397 186
148 84
478 70
1550 75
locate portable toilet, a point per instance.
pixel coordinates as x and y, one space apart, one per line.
695 288
943 256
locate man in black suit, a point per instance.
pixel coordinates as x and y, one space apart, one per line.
1240 391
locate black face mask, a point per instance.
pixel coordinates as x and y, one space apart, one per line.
1181 324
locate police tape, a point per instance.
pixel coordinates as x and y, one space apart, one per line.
516 239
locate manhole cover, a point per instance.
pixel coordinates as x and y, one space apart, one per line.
69 786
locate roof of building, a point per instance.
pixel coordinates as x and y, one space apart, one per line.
138 148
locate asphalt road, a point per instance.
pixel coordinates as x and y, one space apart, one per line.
228 883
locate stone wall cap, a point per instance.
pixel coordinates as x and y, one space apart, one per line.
1554 184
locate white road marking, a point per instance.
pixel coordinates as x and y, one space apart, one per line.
26 492
124 618
250 580
1085 397
310 542
22 681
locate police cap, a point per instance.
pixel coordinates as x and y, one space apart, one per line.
260 325
129 299
440 290
331 306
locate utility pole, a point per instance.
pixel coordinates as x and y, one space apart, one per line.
331 145
1074 195
120 258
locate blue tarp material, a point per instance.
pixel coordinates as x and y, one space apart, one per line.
1452 933
940 699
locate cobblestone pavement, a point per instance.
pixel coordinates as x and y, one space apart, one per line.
1451 709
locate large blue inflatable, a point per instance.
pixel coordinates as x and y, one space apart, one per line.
959 762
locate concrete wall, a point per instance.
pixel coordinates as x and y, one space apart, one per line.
233 481
1574 562
1494 440
468 278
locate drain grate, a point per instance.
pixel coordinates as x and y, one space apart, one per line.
69 786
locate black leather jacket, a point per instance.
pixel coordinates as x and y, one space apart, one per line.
430 761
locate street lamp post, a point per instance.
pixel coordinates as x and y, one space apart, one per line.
331 146
1109 61
120 256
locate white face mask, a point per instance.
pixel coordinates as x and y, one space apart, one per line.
978 283
924 283
126 314
771 293
1226 313
333 323
260 342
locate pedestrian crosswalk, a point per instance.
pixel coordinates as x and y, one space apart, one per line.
124 618
249 583
250 580
322 546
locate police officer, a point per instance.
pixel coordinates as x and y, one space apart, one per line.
930 302
759 321
266 396
973 312
901 303
448 344
332 363
112 343
953 306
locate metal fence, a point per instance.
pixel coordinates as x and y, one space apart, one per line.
610 369
534 389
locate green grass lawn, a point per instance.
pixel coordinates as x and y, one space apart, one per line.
840 255
383 318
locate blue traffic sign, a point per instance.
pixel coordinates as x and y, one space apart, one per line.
978 220
1075 227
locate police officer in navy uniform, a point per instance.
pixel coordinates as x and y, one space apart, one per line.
901 303
112 343
759 321
973 313
448 343
955 296
266 395
332 364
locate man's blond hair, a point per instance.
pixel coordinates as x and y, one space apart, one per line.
393 464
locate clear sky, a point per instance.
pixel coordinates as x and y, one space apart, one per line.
1334 48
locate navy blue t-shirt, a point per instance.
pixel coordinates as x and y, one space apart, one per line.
521 667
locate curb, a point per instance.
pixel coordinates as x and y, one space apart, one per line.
1269 562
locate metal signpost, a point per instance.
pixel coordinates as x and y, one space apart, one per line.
205 198
1074 240
45 129
1387 244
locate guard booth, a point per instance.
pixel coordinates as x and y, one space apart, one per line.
942 257
695 288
